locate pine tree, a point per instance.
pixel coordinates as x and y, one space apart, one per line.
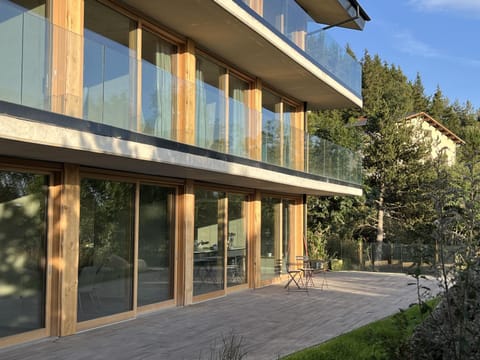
420 101
438 104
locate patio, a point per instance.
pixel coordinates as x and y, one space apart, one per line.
272 322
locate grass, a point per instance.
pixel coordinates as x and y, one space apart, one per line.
383 339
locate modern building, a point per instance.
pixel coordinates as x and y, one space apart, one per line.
443 142
155 153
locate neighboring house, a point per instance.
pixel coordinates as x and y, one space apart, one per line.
443 141
154 153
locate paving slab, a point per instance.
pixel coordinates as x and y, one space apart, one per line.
271 321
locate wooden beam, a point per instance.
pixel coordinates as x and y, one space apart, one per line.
255 122
69 249
186 120
255 228
185 248
67 57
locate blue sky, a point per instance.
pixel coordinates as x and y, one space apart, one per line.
440 39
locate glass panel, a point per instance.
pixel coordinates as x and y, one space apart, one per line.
292 22
155 244
287 145
238 116
106 248
23 45
23 234
270 238
274 13
208 265
236 240
286 233
271 131
109 94
158 86
210 106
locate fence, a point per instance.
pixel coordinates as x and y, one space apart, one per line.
390 257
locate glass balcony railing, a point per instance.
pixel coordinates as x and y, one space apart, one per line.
289 20
34 72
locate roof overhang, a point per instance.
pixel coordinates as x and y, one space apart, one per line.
226 30
344 13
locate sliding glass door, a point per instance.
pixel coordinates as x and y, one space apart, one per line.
208 265
277 218
237 240
105 280
220 241
23 251
108 213
156 240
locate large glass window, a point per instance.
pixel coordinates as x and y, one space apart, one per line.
236 240
288 143
210 105
105 268
109 86
208 266
23 237
238 115
278 146
220 124
271 234
159 91
276 236
271 131
155 244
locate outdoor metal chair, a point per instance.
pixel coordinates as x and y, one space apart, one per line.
294 277
307 270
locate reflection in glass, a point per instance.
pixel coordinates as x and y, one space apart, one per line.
23 45
210 106
271 130
237 116
288 149
155 244
208 266
106 248
108 86
158 86
23 233
287 205
236 241
271 252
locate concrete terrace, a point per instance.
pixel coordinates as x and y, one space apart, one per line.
272 322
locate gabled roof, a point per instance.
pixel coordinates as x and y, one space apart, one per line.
424 116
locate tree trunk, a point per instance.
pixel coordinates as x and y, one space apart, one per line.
380 230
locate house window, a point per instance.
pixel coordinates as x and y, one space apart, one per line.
159 90
277 130
238 116
221 109
109 92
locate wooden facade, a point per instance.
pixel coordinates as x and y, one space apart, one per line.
73 247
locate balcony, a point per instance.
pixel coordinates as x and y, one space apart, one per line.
34 79
301 31
283 49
